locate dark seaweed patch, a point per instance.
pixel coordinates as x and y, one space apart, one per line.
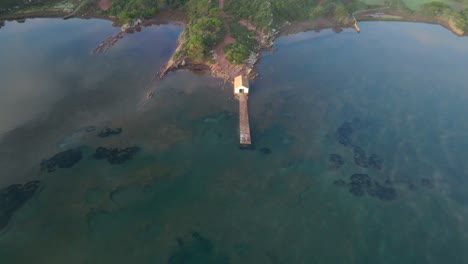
197 249
360 157
64 159
116 156
265 151
336 161
375 162
109 132
13 198
344 132
362 183
382 192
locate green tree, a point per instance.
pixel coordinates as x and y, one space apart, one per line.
127 10
436 9
236 53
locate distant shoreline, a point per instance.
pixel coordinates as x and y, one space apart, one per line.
228 72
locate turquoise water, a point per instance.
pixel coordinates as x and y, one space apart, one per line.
190 195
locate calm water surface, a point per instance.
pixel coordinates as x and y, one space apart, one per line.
191 195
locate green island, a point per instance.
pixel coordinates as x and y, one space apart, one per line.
225 36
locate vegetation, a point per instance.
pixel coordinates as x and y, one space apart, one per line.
236 53
127 10
246 42
203 32
461 19
10 4
437 9
22 6
444 11
270 13
329 8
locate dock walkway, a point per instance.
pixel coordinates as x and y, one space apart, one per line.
244 127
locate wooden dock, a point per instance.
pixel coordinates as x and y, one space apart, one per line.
241 91
244 127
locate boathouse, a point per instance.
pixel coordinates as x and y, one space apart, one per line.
241 85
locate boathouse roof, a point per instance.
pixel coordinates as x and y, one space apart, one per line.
241 81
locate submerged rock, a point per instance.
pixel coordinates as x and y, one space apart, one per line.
265 151
344 132
382 192
359 184
375 162
13 198
360 157
115 155
64 159
362 183
336 161
109 131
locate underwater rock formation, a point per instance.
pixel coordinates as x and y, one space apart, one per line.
360 157
197 249
115 155
375 162
64 159
336 161
344 132
265 151
359 184
382 192
109 131
362 183
13 198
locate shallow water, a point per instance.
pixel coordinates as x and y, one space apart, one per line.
190 195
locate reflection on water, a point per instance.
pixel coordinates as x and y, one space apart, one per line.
359 150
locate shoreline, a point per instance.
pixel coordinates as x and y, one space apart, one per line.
229 71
